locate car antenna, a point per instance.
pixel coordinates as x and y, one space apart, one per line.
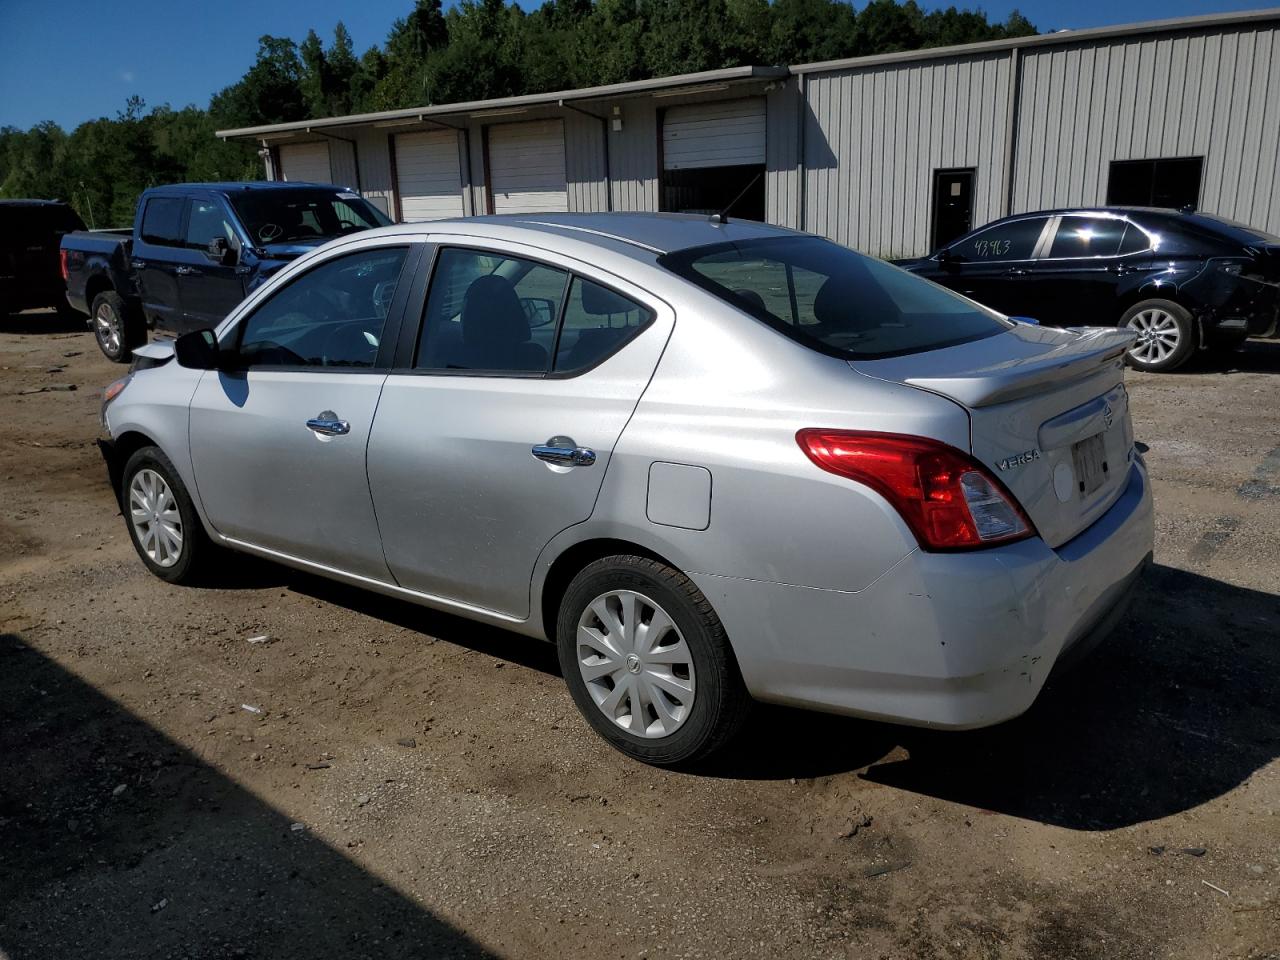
723 215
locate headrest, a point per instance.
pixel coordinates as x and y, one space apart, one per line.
491 311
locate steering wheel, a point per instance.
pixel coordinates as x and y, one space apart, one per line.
345 225
269 231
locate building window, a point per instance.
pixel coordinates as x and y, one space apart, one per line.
1173 182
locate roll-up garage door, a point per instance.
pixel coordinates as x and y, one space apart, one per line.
725 134
526 167
428 175
308 162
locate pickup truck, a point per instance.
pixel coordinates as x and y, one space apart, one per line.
195 251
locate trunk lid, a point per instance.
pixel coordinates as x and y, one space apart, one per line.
1048 415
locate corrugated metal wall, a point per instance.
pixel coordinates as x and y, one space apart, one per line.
873 137
633 156
1213 94
584 162
783 111
342 163
375 166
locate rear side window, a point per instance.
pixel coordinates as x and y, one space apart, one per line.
597 322
162 221
832 299
1015 240
1134 240
490 313
1087 237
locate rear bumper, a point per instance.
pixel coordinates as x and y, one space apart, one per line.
943 640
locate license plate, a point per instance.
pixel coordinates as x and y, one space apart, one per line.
1089 457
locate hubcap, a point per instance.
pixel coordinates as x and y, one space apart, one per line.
1158 335
107 327
153 511
636 664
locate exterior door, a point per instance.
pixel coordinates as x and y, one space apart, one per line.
209 289
471 461
952 205
428 175
990 265
278 444
157 253
1073 282
527 167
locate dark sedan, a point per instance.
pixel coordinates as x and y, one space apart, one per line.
1182 281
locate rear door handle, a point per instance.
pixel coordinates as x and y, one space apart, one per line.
1016 272
564 452
138 264
185 271
328 425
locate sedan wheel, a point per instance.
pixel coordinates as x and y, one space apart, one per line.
1166 335
157 522
635 664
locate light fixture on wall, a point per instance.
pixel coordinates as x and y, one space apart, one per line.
617 120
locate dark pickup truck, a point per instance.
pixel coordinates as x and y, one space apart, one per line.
195 251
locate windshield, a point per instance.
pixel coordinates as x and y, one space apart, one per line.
833 299
283 216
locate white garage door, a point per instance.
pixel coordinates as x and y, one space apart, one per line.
308 162
428 175
526 167
724 134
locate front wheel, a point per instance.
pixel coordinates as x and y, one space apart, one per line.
648 663
115 327
1166 335
163 523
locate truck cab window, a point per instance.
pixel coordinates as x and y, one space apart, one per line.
205 222
162 221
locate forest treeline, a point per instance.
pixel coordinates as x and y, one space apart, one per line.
475 50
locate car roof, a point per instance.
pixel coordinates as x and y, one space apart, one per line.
251 185
656 233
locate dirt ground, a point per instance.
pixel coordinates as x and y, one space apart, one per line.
413 785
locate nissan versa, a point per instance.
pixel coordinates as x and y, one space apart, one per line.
712 461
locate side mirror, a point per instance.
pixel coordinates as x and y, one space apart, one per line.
197 350
220 251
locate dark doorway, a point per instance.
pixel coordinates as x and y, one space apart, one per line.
952 205
710 189
1174 183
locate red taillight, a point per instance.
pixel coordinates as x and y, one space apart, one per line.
62 262
948 499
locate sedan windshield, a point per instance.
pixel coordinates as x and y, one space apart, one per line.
835 300
283 216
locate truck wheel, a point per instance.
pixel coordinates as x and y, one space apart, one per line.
115 327
1166 335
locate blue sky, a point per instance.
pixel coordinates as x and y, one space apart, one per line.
73 60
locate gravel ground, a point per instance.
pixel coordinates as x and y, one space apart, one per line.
376 780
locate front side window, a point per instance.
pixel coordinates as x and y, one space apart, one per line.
162 221
489 312
291 215
1087 237
206 222
1014 240
331 316
832 299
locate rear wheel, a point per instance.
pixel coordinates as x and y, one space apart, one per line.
115 327
1166 335
648 663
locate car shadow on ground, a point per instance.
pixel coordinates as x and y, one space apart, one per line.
42 321
1178 707
1256 356
115 841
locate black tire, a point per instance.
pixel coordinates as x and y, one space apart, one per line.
197 552
720 700
1167 335
110 313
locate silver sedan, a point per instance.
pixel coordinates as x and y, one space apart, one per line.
714 462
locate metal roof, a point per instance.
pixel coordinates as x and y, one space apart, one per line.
1200 21
728 75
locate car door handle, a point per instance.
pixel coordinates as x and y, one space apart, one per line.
328 425
1016 272
138 264
185 271
564 452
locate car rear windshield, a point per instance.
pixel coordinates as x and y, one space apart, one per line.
282 216
832 299
1240 232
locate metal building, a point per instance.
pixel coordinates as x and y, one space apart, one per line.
891 154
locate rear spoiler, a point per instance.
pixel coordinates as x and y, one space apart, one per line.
1092 350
